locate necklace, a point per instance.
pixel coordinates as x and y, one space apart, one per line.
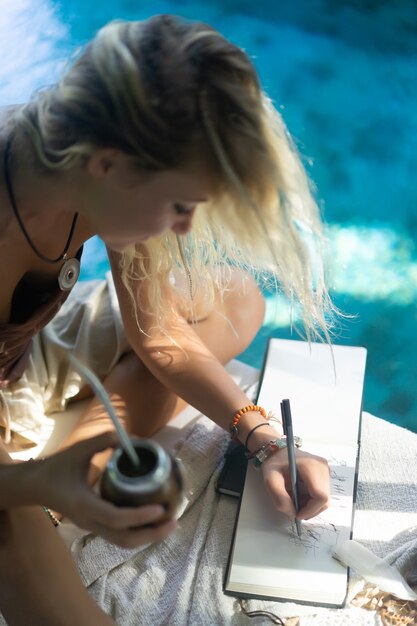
70 269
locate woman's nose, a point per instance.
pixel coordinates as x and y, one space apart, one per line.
183 225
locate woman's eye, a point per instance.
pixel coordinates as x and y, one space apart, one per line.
180 209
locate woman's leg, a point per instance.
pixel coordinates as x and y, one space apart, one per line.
226 331
39 583
141 401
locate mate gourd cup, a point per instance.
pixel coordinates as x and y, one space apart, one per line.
157 480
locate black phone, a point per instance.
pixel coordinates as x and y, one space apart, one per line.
232 475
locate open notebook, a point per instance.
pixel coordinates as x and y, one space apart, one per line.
267 559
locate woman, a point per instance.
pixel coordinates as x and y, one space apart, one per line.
160 127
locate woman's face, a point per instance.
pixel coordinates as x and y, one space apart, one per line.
125 207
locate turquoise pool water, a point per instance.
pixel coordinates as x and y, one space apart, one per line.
344 76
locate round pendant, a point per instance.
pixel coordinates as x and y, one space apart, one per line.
68 274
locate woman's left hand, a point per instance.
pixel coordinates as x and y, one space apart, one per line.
312 480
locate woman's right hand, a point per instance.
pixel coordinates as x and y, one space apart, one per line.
60 482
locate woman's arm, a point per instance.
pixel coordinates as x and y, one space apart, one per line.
194 373
39 582
189 369
60 483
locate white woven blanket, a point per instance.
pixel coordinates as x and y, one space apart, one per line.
179 581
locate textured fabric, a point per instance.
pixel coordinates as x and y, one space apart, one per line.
179 581
90 313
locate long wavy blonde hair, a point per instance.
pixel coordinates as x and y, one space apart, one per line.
167 91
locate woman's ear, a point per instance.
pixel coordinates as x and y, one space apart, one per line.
102 162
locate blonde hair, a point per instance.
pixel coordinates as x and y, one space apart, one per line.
167 91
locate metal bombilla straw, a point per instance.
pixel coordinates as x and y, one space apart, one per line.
101 393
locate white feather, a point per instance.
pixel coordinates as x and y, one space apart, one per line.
373 569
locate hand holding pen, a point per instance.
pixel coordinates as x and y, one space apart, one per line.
288 432
311 480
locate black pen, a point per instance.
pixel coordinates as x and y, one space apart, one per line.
287 427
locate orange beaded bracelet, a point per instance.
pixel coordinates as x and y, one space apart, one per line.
236 419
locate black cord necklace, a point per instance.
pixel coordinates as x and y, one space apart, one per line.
70 270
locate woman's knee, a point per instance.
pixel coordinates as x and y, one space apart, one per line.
142 395
245 306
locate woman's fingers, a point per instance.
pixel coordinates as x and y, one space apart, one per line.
314 506
275 483
314 473
118 518
313 483
137 536
87 448
67 491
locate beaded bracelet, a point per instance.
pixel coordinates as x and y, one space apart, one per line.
52 517
236 419
269 448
